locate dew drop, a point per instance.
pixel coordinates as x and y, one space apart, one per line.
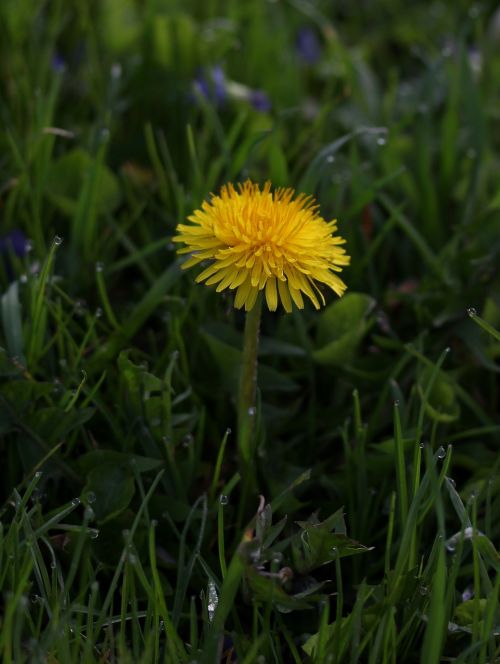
330 159
116 71
471 311
154 523
75 502
38 474
94 534
451 545
451 481
23 278
228 431
441 453
423 590
58 240
252 410
98 312
381 141
396 403
89 514
223 499
35 599
422 446
53 565
91 497
99 266
28 246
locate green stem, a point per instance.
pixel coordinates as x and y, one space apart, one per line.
246 398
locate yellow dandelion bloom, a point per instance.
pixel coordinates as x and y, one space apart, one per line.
262 240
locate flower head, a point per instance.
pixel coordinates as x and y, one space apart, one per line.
263 240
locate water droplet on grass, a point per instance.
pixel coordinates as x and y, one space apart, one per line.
451 545
116 71
58 240
75 502
441 453
99 266
381 140
252 410
451 481
98 312
471 311
91 497
223 499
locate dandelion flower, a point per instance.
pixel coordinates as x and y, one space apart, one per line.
260 240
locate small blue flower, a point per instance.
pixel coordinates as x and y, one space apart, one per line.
308 46
14 242
260 101
58 63
211 84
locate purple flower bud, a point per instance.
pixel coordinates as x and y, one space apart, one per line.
260 101
211 84
308 46
58 63
14 242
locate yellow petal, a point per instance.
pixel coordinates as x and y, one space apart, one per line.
271 294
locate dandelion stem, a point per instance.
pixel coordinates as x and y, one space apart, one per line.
247 411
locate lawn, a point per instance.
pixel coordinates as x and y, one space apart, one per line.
156 504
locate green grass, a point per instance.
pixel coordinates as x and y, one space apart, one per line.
123 536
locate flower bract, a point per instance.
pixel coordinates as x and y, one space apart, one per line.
262 240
